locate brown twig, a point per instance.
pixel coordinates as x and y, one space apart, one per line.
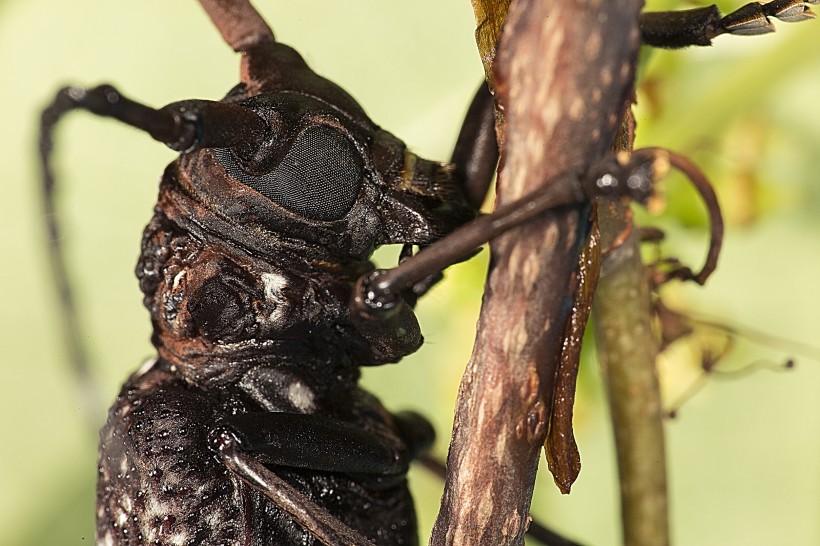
563 71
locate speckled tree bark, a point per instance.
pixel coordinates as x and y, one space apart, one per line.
562 75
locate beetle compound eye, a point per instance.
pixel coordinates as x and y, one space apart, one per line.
318 178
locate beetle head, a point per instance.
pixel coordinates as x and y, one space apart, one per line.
323 177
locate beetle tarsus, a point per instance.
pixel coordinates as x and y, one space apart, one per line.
697 27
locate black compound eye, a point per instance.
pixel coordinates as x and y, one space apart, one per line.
317 178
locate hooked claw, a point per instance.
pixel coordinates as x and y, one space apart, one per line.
753 18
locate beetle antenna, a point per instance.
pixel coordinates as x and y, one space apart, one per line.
239 23
77 351
266 63
182 126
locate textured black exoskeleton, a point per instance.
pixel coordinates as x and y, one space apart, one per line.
249 426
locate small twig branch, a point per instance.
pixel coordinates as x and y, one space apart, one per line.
627 349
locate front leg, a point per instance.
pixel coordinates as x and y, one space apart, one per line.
474 161
393 330
377 294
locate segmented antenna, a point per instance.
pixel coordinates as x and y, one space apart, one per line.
239 23
182 126
77 352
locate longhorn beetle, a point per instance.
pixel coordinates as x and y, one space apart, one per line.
249 427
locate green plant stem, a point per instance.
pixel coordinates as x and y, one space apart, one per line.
627 350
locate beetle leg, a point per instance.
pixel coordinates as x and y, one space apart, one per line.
379 291
474 160
697 27
315 442
475 155
247 447
326 528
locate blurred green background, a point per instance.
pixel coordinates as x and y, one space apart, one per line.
744 455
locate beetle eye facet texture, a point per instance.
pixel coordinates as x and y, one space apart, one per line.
318 177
